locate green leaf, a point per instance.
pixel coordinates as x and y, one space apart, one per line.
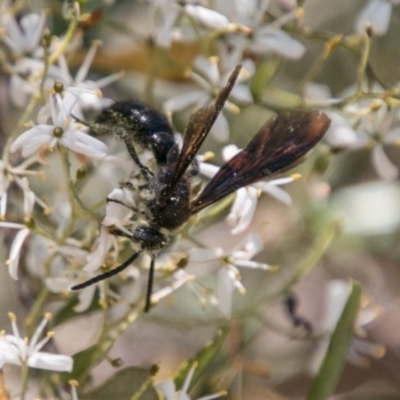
67 311
328 376
124 385
202 359
84 361
264 75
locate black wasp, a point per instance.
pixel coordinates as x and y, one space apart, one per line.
167 203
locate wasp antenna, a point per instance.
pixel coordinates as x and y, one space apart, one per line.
107 274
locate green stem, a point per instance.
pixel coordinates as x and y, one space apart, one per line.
36 311
111 334
67 39
24 380
46 66
143 387
318 250
14 133
312 257
329 48
151 74
75 199
363 64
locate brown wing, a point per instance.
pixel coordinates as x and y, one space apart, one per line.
197 130
281 142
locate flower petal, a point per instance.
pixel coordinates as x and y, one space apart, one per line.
15 252
95 259
268 40
276 192
85 298
384 167
115 212
203 255
220 129
229 152
208 68
210 18
225 292
33 139
168 388
83 143
252 246
185 101
9 349
242 210
51 362
242 94
164 36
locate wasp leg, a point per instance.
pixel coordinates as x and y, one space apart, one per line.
124 135
134 209
150 284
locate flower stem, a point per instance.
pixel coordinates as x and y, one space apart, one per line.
28 111
67 39
24 380
37 310
73 194
363 64
144 386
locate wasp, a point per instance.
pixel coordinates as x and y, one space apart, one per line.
167 202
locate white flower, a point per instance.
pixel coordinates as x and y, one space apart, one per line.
376 128
9 174
229 278
62 284
25 80
63 269
245 203
24 41
63 130
245 12
375 15
105 242
337 294
118 212
24 38
170 392
264 39
117 215
168 264
268 39
18 351
172 10
210 79
4 185
180 278
29 196
85 91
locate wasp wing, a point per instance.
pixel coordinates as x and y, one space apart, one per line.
197 130
276 147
